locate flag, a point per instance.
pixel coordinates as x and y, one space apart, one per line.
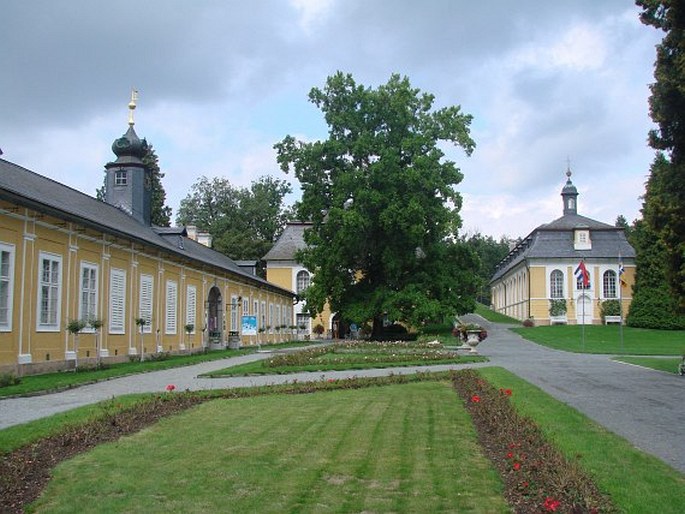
621 271
582 273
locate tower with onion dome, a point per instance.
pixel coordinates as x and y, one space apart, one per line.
128 181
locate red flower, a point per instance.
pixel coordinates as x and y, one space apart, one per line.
510 455
331 380
170 387
517 466
551 505
475 398
507 392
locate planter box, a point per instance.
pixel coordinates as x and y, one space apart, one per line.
558 320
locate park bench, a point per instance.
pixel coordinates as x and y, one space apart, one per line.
612 319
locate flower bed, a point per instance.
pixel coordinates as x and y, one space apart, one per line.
537 477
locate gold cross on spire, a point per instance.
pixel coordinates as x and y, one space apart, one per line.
132 106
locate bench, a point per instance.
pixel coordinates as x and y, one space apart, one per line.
612 319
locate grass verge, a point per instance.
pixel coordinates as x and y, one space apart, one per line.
636 482
495 317
667 364
606 339
400 448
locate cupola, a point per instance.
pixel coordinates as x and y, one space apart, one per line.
128 181
569 194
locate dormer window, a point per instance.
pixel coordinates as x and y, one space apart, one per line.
120 178
581 240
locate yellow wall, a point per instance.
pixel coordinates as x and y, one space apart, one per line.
29 233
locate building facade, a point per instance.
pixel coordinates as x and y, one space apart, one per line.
66 257
283 269
564 271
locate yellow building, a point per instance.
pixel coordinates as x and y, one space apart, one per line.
65 256
544 270
283 269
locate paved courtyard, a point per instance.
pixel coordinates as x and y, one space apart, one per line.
644 406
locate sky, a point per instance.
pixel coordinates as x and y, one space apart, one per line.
221 81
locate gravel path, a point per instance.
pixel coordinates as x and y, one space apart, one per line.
644 406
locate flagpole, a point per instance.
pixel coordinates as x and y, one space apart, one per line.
620 300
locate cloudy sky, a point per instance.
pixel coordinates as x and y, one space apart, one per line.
221 81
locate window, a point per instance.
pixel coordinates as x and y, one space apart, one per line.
279 320
191 306
6 286
246 306
120 178
49 292
88 301
556 284
302 281
117 301
255 308
609 284
271 316
303 322
262 315
171 306
582 240
145 302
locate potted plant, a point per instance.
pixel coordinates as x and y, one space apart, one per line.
141 322
318 330
188 327
96 324
74 326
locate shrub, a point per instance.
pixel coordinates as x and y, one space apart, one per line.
610 308
655 309
9 379
557 307
529 322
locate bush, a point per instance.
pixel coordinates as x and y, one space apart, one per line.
9 379
610 308
557 307
529 322
654 309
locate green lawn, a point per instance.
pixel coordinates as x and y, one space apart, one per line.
667 364
399 448
637 482
606 339
66 379
493 316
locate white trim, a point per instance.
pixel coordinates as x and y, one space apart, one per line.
6 326
191 307
51 325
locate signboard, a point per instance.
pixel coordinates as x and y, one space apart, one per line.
249 325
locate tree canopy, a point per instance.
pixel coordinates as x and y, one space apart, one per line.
664 208
490 252
383 204
244 222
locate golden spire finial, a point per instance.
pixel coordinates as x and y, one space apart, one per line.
132 106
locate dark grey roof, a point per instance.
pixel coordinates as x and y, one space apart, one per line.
291 240
25 187
555 240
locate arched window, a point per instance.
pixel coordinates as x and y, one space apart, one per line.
609 284
302 281
556 284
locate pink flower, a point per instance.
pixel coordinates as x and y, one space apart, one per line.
331 380
517 466
170 387
475 398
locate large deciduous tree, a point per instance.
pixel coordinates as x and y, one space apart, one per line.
383 204
490 253
664 209
243 222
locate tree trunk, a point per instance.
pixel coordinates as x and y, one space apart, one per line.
377 330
